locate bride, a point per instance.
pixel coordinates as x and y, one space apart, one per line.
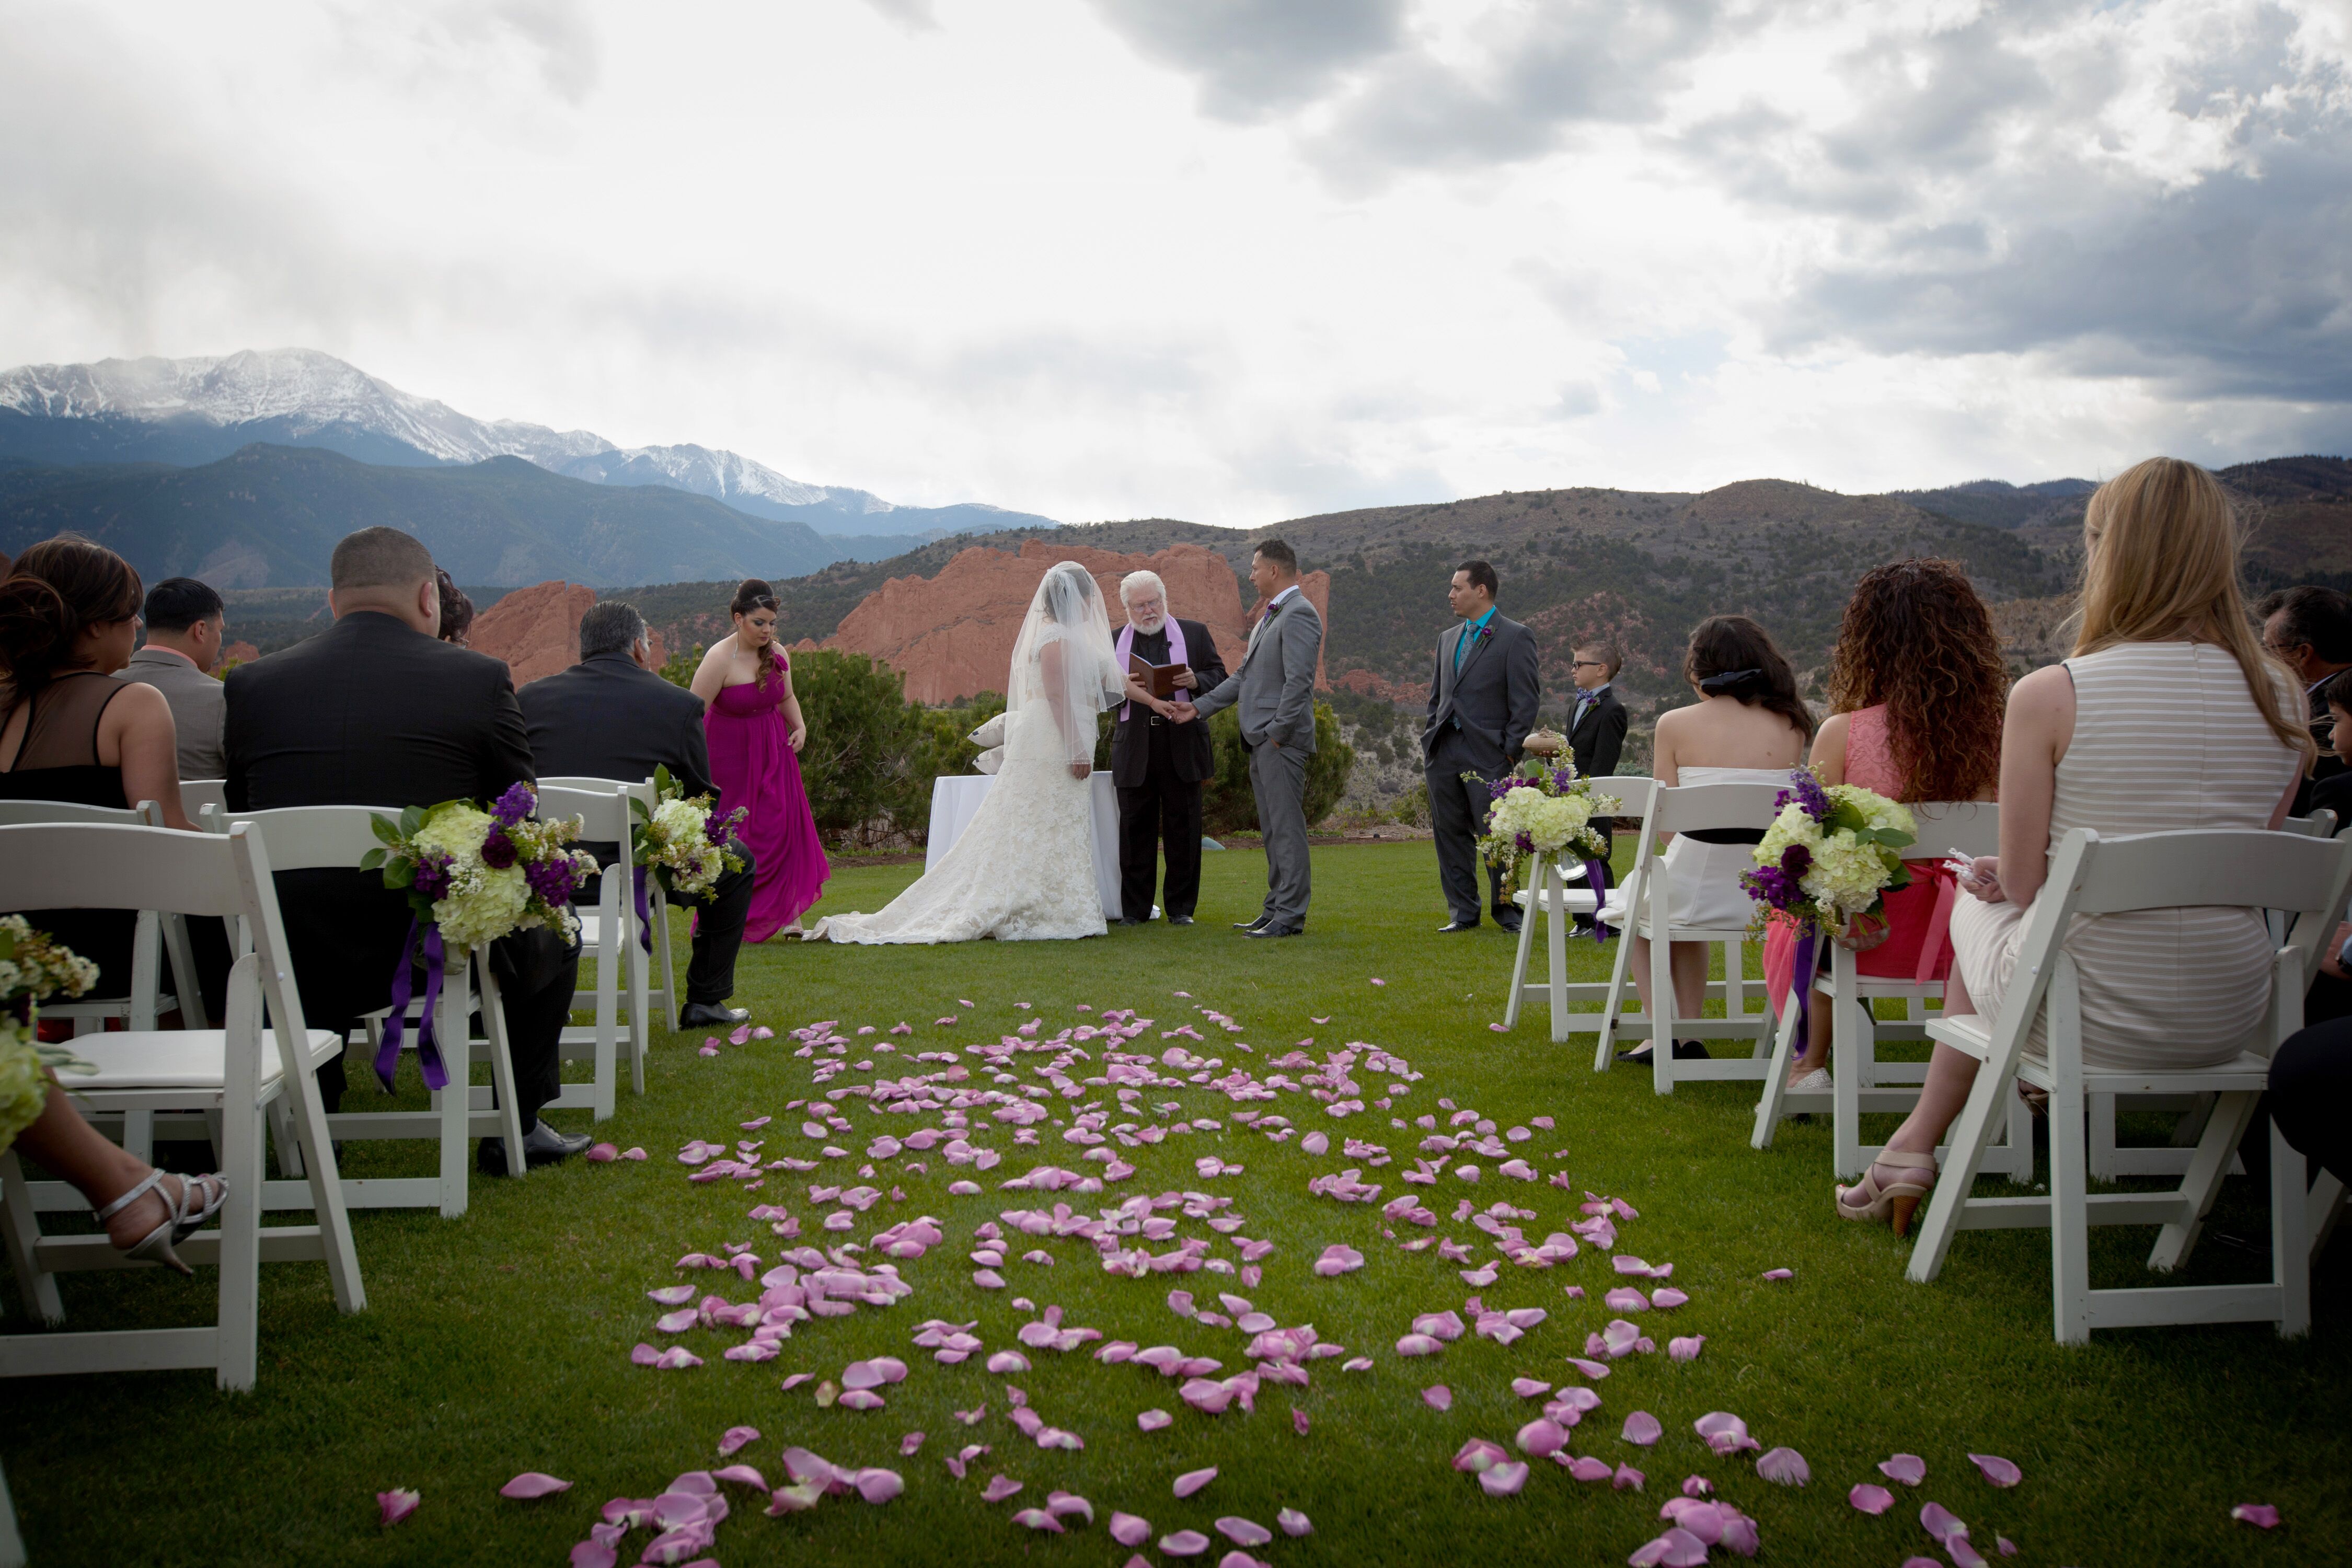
1023 871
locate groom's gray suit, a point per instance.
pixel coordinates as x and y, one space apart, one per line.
1273 692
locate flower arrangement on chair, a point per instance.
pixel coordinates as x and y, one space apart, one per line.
472 875
674 841
1542 809
1829 859
33 966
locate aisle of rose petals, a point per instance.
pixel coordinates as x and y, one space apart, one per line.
938 1120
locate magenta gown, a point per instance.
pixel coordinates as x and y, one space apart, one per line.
752 762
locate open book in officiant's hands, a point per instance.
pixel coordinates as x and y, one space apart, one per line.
1160 680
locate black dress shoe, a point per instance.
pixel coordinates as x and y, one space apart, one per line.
1457 925
1684 1051
542 1146
1128 921
1179 919
1250 925
1271 930
711 1016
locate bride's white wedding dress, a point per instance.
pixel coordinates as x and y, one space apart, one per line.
1024 869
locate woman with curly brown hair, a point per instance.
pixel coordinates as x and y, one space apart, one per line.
1916 692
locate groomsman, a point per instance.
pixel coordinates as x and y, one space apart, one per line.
1482 703
1273 692
1159 764
1596 727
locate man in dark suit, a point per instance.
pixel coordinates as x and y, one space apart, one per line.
1158 765
2309 629
376 712
1482 703
611 717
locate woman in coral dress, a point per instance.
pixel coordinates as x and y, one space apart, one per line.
754 726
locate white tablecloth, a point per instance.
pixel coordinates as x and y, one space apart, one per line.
956 796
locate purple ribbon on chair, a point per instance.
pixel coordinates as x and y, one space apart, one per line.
644 915
1596 877
428 1050
1802 966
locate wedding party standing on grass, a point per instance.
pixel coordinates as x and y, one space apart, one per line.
1482 696
755 731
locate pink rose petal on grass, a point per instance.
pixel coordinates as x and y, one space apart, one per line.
1627 1477
1437 1397
593 1554
1593 1369
1378 981
1780 1274
1505 1480
1192 1481
1184 1544
1869 1498
1783 1468
1642 1427
400 1502
735 1438
1939 1522
1298 1422
1128 1529
1582 1469
1153 1420
1695 1486
1243 1532
2260 1515
1478 1454
1038 1518
909 1443
1677 1548
1685 1347
1665 1297
604 1153
533 1484
1543 1437
999 1487
1904 1469
1998 1470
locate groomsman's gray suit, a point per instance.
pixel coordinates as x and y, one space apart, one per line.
1273 691
199 707
1479 715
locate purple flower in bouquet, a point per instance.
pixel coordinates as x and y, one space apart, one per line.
1526 842
1796 861
497 850
1562 778
512 807
550 881
432 875
1772 887
1808 793
1503 786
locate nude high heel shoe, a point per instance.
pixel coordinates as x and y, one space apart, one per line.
1896 1200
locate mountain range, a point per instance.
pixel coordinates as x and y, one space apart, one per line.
192 412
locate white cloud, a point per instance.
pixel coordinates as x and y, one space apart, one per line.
1234 261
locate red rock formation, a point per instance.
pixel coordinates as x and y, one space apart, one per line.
239 653
951 635
536 630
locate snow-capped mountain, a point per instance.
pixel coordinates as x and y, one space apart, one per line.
190 411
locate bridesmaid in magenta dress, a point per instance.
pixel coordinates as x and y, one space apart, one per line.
755 729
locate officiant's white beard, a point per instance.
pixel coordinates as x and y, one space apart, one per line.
1147 625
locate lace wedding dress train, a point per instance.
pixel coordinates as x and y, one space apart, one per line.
1024 869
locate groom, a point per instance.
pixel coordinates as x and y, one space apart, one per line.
1275 693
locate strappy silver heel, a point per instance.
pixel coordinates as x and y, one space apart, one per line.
200 1198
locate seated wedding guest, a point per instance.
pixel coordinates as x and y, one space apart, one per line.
1158 765
2096 742
146 1212
2308 628
1750 726
611 717
185 620
456 610
375 712
73 731
1916 687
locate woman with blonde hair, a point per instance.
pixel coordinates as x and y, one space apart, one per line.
2169 715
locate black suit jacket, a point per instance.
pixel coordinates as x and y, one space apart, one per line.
1597 743
1480 713
1190 752
369 712
606 718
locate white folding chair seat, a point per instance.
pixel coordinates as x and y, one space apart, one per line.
1648 895
1556 896
2090 876
336 837
609 937
1861 1083
157 934
231 1076
197 794
661 985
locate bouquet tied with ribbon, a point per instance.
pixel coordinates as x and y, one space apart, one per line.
677 843
1827 863
1540 808
472 873
33 967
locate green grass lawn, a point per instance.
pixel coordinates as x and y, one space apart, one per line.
500 1343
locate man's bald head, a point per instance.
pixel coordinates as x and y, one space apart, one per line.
387 571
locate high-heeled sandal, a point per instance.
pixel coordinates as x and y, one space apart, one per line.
1896 1200
200 1198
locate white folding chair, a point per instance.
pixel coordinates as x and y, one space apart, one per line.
1557 897
608 936
156 935
197 794
233 1073
1692 809
2091 876
335 838
2109 1159
661 986
1861 1082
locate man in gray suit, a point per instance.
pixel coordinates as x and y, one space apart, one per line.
1482 702
185 620
1275 693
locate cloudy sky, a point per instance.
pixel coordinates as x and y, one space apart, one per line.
1231 260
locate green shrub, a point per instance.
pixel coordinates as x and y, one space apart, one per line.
864 739
1227 806
678 667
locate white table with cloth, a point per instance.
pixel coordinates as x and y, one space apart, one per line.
955 797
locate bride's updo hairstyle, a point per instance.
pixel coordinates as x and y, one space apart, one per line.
1731 656
56 589
752 593
1070 589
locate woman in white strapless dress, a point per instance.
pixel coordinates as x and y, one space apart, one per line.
1750 726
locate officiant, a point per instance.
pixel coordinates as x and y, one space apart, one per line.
1158 765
